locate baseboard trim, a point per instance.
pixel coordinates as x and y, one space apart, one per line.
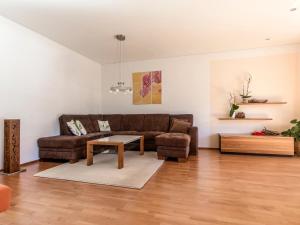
25 164
34 161
28 163
208 148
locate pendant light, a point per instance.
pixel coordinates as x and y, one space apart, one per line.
120 86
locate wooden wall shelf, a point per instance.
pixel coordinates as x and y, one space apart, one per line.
267 103
228 118
254 118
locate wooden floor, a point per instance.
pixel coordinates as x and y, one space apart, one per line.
211 189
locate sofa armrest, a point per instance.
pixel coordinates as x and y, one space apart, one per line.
193 132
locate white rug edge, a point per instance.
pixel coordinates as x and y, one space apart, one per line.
94 183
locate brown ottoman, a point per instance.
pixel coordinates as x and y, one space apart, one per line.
175 145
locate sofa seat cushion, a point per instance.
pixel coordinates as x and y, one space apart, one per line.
63 141
96 135
173 140
68 141
150 135
125 132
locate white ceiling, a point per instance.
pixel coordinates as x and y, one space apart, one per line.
158 28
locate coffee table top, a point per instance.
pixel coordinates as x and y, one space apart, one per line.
125 139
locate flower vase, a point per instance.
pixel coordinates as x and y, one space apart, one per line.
233 115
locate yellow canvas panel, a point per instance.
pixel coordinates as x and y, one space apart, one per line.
146 88
156 93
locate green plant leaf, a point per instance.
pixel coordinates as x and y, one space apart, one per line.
287 133
294 121
231 112
294 131
235 107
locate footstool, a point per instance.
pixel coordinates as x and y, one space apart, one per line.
5 197
175 145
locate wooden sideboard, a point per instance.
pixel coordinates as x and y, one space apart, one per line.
246 143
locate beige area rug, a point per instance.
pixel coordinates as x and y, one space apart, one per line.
138 169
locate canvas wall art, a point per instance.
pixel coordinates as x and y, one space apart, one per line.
146 87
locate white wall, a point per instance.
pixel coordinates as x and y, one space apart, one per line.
273 77
186 88
39 80
298 88
297 96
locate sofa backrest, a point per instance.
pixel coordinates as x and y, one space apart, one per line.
94 118
133 122
156 122
84 119
114 120
125 122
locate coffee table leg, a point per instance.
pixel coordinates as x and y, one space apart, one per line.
142 145
89 154
120 156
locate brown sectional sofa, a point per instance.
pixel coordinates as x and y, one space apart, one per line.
69 147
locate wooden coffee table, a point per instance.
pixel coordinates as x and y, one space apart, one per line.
115 140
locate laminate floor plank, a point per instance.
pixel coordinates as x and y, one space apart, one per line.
210 189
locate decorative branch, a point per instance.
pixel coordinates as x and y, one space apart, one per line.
246 93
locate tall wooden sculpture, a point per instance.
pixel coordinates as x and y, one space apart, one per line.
11 146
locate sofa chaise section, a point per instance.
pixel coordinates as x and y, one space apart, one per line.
67 147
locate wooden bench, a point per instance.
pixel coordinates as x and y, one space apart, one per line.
246 143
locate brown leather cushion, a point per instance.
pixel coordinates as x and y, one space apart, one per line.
114 120
57 150
180 126
124 132
96 135
64 141
63 153
150 135
185 117
67 141
156 122
133 122
84 119
94 119
173 140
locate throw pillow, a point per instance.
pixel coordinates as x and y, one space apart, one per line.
73 128
80 127
104 125
180 126
172 120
